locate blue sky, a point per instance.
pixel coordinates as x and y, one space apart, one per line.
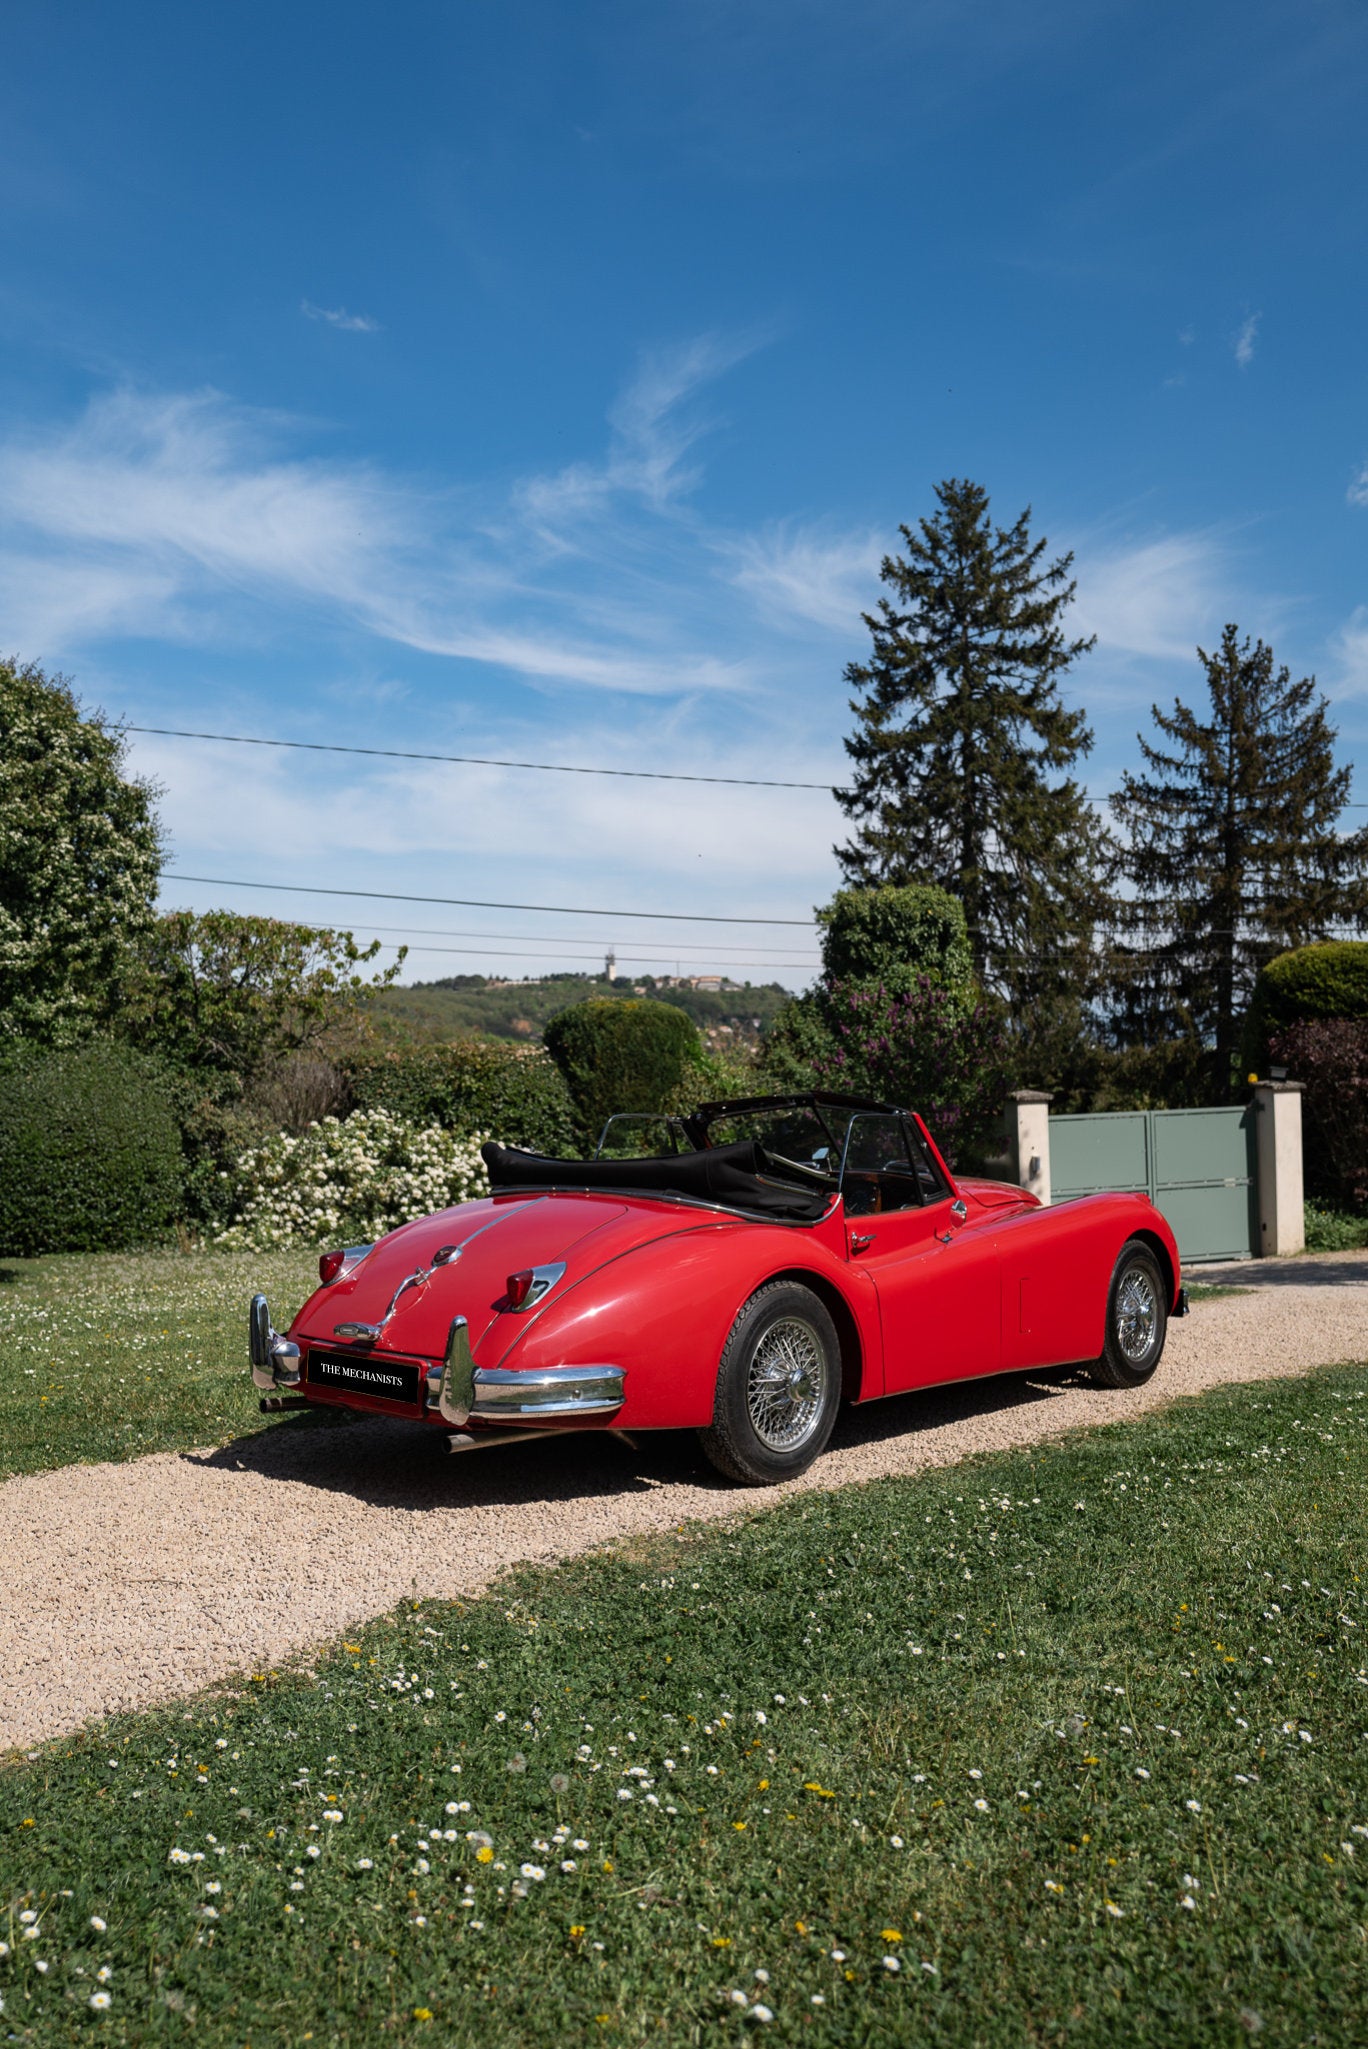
547 381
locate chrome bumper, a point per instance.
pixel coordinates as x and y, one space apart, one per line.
456 1388
459 1389
275 1360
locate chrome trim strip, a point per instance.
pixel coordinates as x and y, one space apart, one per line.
445 1255
501 1391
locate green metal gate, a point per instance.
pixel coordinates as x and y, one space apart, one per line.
1196 1166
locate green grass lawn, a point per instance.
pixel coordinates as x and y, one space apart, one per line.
111 1355
1062 1746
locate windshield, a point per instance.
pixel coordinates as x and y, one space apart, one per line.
637 1135
795 1131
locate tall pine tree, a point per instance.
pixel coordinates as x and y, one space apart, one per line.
962 753
1232 852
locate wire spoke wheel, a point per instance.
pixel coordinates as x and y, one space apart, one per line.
786 1385
1137 1313
778 1386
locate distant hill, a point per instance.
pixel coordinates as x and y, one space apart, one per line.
472 1006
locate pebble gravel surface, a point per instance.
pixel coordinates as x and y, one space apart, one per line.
130 1585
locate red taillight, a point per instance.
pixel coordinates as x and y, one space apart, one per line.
519 1287
330 1266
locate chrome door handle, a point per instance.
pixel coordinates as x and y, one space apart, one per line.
860 1241
959 1210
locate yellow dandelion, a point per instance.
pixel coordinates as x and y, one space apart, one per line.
891 1934
484 1855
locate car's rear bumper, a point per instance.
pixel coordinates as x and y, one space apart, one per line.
453 1390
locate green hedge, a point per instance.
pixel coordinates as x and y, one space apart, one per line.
512 1093
1327 980
621 1054
90 1154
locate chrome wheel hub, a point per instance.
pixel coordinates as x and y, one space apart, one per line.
1137 1313
786 1385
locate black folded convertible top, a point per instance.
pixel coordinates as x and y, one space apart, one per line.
736 1177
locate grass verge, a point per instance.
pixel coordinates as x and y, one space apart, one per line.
1061 1746
112 1355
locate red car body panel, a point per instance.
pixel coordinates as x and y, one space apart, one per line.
981 1282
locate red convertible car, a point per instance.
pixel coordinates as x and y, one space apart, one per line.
765 1260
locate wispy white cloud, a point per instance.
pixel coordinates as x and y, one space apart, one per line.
167 516
1157 598
338 316
1349 656
651 434
1245 339
1357 494
803 576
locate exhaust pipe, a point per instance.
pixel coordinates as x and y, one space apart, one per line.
482 1440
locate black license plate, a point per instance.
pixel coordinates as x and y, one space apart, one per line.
355 1373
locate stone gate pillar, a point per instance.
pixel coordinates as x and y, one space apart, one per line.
1282 1221
1028 1139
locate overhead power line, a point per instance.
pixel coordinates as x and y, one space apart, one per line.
647 775
638 960
708 950
478 903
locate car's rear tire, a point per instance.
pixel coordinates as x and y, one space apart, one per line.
778 1387
1137 1320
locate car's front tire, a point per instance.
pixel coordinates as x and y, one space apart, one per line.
1137 1319
778 1387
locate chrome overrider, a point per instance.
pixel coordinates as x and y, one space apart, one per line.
275 1360
459 1389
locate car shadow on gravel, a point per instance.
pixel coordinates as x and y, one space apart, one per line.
390 1463
1306 1270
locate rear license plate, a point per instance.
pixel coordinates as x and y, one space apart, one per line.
354 1373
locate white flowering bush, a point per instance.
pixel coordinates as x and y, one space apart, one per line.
362 1176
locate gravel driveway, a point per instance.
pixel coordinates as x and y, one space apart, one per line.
127 1585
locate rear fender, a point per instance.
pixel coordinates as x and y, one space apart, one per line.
663 1311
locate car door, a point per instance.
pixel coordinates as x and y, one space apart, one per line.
933 1264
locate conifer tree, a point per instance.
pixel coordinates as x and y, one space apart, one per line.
963 752
1232 851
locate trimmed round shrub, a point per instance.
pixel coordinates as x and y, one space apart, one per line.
896 936
90 1153
1327 980
621 1053
512 1092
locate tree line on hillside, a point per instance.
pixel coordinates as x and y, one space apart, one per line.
477 1004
